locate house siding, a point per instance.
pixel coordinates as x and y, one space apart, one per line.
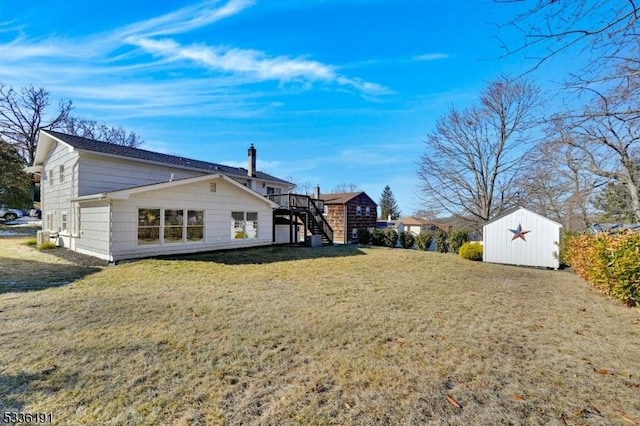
94 232
55 196
217 221
103 174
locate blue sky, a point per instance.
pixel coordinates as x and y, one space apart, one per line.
330 92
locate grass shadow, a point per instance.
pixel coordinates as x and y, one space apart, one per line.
19 275
270 254
18 390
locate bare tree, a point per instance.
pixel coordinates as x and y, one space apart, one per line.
558 185
99 131
604 32
473 157
23 114
345 188
610 143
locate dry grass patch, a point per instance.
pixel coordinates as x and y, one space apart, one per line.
340 336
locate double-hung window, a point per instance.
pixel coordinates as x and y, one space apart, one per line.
244 225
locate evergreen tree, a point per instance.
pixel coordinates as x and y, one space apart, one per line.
15 184
388 204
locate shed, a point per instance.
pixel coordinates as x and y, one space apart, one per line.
522 237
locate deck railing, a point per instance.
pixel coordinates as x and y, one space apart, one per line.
305 203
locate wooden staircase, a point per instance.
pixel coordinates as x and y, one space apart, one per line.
307 210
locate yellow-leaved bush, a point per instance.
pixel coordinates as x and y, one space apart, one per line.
471 251
610 262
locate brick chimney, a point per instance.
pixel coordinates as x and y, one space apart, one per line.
251 160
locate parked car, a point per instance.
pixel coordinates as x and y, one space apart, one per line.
8 214
35 213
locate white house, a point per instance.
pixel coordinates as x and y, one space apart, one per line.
522 237
116 202
417 226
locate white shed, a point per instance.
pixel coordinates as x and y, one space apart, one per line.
522 237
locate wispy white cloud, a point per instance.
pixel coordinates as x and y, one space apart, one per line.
185 19
431 57
142 69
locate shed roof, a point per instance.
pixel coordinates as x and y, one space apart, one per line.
116 150
515 209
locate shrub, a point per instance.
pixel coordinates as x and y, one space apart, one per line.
442 245
364 236
471 251
457 239
423 241
563 247
407 240
390 237
31 242
610 263
46 246
377 237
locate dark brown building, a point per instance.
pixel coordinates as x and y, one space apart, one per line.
348 212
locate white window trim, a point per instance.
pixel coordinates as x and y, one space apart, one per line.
358 210
61 172
161 242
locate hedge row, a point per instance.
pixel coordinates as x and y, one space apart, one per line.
610 262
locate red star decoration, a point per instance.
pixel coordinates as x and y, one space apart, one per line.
519 233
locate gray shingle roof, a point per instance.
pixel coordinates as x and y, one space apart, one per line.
86 144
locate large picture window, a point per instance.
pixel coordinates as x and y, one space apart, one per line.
148 226
170 226
244 225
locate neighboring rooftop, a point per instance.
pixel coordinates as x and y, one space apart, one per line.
86 144
339 197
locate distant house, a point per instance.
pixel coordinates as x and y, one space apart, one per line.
522 237
417 226
348 212
116 202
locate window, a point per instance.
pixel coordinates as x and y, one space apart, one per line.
63 221
195 225
148 226
358 210
61 173
173 224
213 187
273 191
354 234
244 225
251 225
50 177
49 221
325 209
367 211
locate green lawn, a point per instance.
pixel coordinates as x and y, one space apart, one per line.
334 335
